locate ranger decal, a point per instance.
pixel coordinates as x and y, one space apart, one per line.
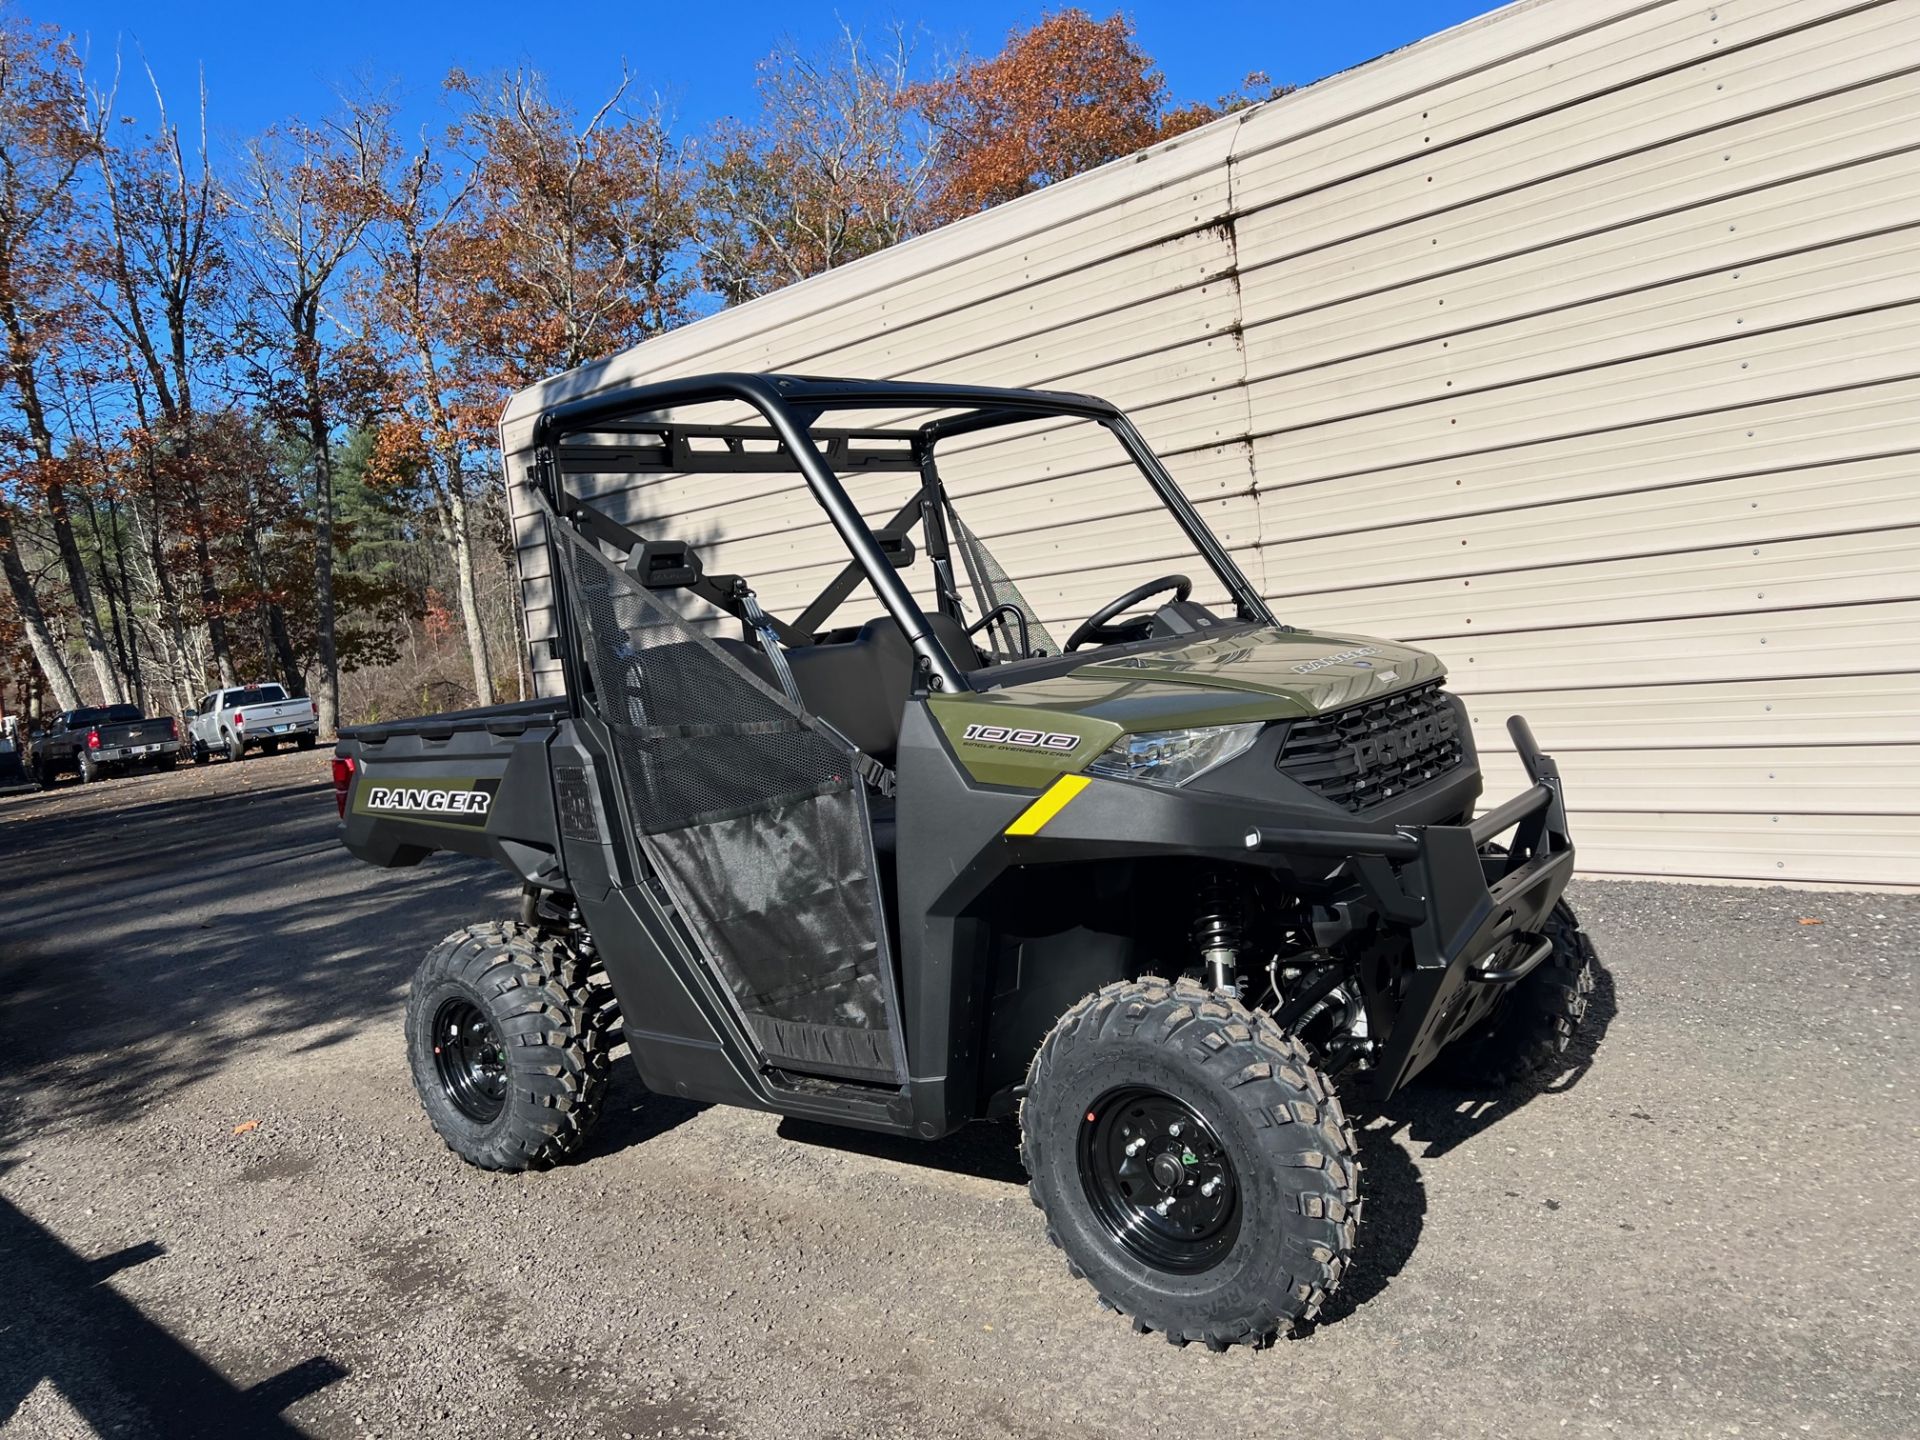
1343 657
459 802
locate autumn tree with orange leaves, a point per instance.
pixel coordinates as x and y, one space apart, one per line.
248 392
1065 96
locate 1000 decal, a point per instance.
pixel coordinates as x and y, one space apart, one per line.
1053 740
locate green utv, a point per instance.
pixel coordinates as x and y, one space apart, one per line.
1169 892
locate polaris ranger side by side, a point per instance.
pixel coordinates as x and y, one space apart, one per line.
1175 893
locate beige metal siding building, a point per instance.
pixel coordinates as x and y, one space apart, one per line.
1577 344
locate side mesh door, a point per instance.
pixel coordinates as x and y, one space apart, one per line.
754 819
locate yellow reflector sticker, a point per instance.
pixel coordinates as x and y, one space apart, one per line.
1050 804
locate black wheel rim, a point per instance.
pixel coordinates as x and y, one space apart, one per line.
1159 1180
469 1061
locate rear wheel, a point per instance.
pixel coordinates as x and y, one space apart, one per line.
507 1045
89 769
166 763
305 742
236 748
269 747
1534 1023
1192 1163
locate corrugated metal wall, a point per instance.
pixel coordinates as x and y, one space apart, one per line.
1577 344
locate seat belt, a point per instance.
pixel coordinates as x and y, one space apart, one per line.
762 626
871 770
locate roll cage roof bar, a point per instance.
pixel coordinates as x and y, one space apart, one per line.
791 404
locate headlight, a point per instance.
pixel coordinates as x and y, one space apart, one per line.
1173 757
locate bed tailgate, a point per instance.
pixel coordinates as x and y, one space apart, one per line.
475 783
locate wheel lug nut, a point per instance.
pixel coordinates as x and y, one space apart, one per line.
1211 1186
1165 1205
1174 1129
1133 1145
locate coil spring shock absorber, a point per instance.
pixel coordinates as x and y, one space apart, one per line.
1216 930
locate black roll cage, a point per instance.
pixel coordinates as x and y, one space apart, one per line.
791 404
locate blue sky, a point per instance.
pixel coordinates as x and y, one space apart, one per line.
269 59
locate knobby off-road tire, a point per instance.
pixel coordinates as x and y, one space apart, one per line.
1536 1020
1262 1109
533 1004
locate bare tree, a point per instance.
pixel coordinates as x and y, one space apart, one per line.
417 298
835 166
157 253
310 193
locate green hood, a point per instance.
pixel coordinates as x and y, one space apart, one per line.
1264 674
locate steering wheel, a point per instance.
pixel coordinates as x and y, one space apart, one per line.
1096 626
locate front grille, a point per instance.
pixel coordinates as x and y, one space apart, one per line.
1375 751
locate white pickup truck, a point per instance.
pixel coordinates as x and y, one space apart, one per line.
250 717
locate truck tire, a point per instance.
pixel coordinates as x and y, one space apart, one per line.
201 755
166 763
269 747
1536 1020
89 769
305 742
506 1046
236 748
1192 1163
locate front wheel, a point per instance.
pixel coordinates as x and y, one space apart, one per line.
1192 1163
201 755
506 1041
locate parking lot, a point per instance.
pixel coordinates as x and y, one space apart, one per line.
222 1212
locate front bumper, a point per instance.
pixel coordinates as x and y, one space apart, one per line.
1477 919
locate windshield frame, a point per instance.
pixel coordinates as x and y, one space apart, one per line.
791 405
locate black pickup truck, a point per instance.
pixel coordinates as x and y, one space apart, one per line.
100 739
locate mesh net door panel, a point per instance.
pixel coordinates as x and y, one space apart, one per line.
755 821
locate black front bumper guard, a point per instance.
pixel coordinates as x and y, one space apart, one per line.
1477 919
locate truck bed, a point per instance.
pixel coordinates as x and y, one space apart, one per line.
510 719
470 781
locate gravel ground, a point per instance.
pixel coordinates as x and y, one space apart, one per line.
222 1212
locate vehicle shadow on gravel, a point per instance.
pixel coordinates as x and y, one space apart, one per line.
1435 1118
147 944
118 1370
986 1150
1440 1117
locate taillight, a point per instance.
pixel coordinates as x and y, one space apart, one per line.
93 739
342 781
238 719
173 728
